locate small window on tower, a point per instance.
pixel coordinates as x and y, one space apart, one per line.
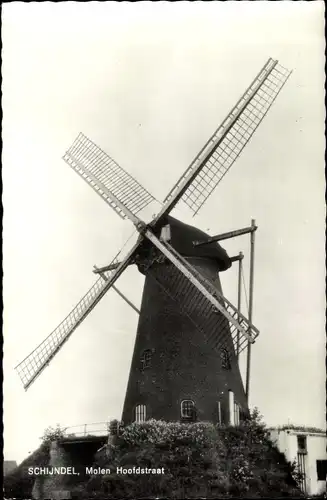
140 413
225 360
187 409
146 359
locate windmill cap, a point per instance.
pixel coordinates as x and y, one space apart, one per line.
182 238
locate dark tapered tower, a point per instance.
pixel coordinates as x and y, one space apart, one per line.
172 361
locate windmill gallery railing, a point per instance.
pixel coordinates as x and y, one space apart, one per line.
90 429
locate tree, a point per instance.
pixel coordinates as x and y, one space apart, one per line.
52 434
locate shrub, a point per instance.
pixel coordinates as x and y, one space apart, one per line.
200 459
52 434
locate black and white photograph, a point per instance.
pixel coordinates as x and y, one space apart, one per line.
164 309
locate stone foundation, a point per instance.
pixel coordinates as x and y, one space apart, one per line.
74 454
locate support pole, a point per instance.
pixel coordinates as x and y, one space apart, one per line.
99 271
248 361
126 299
239 298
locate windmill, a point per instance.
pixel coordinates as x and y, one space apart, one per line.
185 357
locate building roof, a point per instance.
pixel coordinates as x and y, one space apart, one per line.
8 466
300 429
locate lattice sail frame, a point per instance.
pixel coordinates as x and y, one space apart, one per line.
212 329
201 291
229 140
217 331
39 358
107 178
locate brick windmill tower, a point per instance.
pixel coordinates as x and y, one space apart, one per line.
184 364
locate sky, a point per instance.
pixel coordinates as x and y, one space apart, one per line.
149 83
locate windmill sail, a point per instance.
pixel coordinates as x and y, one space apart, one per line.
203 293
226 144
110 181
217 331
38 359
225 303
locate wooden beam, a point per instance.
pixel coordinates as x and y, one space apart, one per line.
225 236
111 267
101 272
237 258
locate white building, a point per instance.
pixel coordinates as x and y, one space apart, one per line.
306 446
